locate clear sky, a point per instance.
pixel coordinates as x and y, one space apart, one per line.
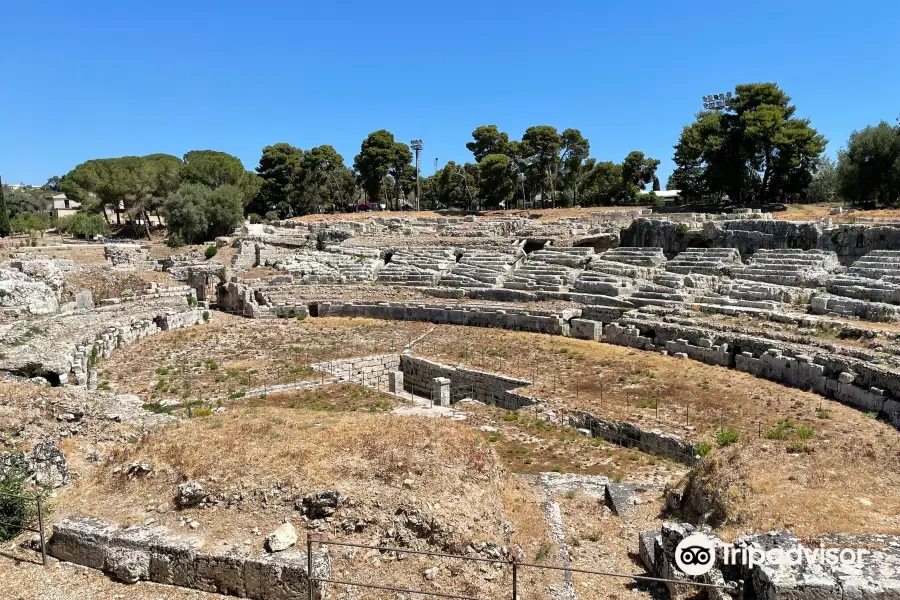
89 78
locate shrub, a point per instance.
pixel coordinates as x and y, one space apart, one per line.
32 223
823 414
206 316
727 436
196 212
272 215
254 218
15 512
805 432
83 225
210 251
703 448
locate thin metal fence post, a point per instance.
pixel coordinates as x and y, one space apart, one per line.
40 508
515 580
309 566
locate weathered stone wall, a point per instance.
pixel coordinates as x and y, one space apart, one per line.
153 554
490 388
536 321
363 369
630 435
117 336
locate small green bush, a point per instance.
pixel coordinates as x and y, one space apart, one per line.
704 448
823 414
82 225
210 251
805 432
206 316
727 436
254 218
15 512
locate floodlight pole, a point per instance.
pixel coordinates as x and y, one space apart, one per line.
716 101
417 146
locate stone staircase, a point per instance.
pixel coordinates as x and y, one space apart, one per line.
789 267
706 261
480 269
657 295
873 278
878 264
315 267
591 282
419 266
540 276
573 257
641 257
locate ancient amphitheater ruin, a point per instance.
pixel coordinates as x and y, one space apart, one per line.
560 399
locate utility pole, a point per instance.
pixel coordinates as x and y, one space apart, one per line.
417 146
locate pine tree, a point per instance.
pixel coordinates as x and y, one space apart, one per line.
5 228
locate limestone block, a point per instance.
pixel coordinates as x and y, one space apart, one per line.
172 561
129 552
395 382
82 541
222 573
586 330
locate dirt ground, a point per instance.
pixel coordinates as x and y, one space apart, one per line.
783 430
232 355
259 458
814 212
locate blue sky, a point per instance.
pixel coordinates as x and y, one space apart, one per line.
91 78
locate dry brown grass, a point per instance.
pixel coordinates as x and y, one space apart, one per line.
814 212
270 455
231 354
530 443
89 254
829 483
680 396
112 284
599 540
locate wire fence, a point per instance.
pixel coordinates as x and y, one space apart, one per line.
514 566
26 524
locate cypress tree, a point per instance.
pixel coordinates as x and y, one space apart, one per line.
5 228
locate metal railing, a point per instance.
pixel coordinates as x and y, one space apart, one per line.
39 504
515 565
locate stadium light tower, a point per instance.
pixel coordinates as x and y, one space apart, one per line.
716 101
417 146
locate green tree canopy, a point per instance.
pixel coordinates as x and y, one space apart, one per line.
824 184
496 183
487 139
5 226
196 213
755 150
281 171
868 170
383 166
540 150
24 201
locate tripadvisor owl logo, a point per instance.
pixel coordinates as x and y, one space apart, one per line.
695 554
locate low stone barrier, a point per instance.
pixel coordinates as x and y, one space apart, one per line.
630 435
490 388
146 553
117 336
362 368
535 321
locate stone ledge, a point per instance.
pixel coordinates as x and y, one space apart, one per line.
141 553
